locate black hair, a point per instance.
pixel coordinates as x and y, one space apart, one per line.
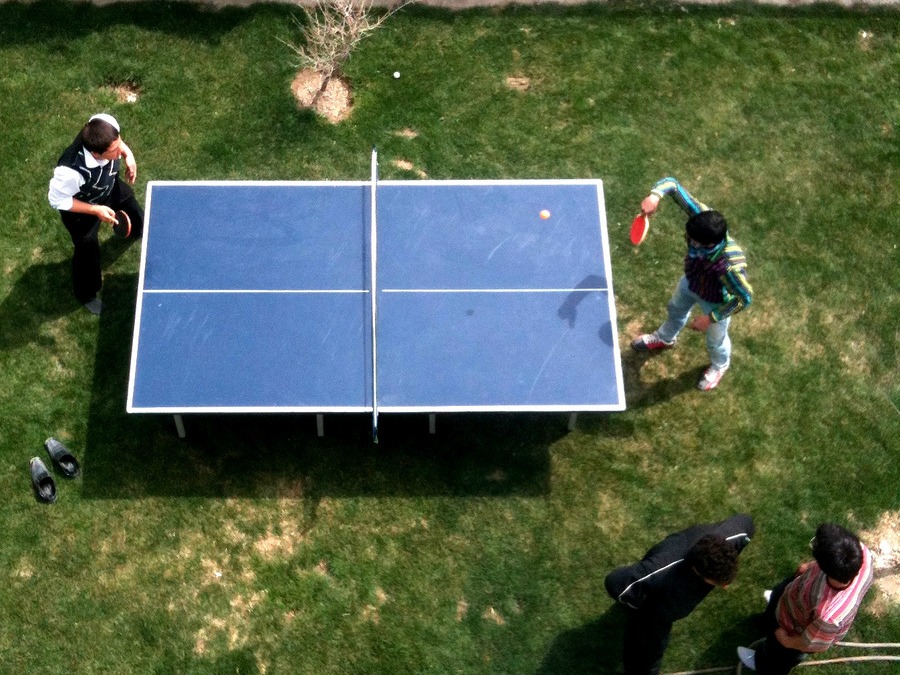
713 558
97 135
707 227
838 552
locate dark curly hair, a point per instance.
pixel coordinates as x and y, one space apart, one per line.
713 558
707 227
838 552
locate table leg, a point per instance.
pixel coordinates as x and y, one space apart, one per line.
179 426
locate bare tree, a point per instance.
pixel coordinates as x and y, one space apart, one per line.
331 30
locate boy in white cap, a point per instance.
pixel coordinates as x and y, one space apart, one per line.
86 189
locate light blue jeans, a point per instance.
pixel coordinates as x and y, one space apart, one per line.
717 341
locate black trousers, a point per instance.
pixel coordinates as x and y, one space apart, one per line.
646 640
773 658
83 228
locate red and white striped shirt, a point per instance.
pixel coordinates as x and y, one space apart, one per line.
822 615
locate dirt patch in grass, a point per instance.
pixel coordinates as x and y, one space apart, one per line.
212 570
406 133
334 102
492 615
518 82
406 165
864 39
125 92
884 542
282 542
760 318
24 570
272 544
372 612
320 570
371 615
235 628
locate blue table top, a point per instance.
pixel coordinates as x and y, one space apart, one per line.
257 297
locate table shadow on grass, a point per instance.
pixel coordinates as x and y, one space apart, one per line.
281 456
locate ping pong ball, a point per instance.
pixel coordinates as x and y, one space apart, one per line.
545 214
396 74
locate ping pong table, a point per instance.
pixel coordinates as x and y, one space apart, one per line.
375 297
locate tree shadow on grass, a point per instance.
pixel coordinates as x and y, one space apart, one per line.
58 23
595 647
281 456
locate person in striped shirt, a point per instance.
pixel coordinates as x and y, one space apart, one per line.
715 278
814 608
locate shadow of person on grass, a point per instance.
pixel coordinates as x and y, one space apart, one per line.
595 647
42 295
723 652
641 395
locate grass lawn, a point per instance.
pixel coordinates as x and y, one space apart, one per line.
254 546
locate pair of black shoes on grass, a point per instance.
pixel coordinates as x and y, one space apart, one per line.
41 480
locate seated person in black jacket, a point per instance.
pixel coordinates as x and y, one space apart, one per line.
670 581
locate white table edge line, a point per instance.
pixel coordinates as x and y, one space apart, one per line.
493 290
250 290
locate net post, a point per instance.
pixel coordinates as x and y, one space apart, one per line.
373 245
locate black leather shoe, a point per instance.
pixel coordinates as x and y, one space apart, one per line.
42 481
62 458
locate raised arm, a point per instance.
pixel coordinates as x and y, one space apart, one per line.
670 186
130 163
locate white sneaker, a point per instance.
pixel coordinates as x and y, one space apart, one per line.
650 342
711 378
747 657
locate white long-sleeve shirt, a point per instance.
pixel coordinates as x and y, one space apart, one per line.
66 182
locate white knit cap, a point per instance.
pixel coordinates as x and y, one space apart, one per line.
109 119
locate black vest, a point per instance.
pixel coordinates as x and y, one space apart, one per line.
98 182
